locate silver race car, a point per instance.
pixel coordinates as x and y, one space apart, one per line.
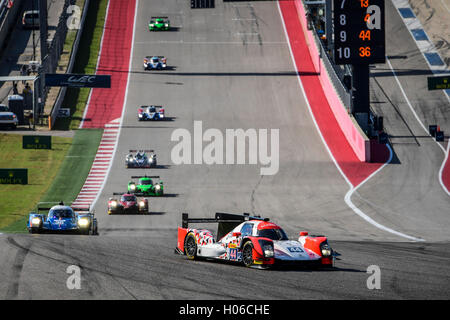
155 63
140 159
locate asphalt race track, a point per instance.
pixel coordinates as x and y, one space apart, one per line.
230 67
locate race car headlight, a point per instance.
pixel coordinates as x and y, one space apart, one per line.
132 187
83 222
158 187
166 24
152 25
35 221
325 250
267 248
141 204
268 251
113 203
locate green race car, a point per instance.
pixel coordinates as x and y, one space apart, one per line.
145 186
159 24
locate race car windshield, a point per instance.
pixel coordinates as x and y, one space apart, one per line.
274 234
155 59
152 109
61 213
128 198
147 182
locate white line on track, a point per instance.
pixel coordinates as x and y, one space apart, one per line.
348 201
211 42
347 197
423 127
443 3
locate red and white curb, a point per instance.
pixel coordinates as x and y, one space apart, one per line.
100 167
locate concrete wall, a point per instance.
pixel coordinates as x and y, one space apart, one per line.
353 133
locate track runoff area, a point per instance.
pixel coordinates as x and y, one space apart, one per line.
214 78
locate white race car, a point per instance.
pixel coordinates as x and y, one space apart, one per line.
151 113
252 241
140 159
155 63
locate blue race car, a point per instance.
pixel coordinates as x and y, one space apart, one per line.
62 219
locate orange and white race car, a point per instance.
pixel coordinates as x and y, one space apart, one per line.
251 241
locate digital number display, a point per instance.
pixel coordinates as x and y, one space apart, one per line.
359 32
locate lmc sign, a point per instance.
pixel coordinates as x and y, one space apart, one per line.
77 80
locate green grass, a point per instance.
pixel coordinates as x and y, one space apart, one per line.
43 165
85 63
66 185
75 167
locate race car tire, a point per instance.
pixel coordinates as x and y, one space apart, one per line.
247 254
35 230
190 246
91 230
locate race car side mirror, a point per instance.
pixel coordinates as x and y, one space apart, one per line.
236 234
303 233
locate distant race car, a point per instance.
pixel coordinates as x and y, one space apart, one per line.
140 159
145 186
251 241
146 113
128 203
155 63
62 219
159 24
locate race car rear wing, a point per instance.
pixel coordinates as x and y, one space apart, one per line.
137 177
146 151
44 206
156 107
226 221
152 18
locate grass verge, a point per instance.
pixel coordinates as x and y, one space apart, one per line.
85 63
76 163
17 200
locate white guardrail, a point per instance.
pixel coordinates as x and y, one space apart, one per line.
62 91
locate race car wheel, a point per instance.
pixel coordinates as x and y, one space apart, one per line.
247 254
190 246
91 231
35 230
